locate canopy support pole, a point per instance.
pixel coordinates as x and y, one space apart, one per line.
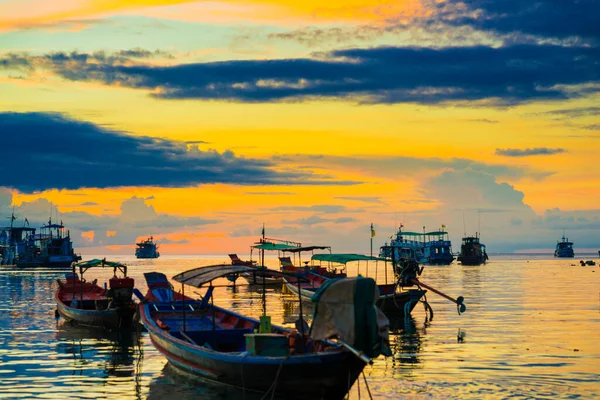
301 315
183 304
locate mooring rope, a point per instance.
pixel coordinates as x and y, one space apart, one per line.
274 384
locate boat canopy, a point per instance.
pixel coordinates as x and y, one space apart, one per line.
85 265
273 246
307 248
202 275
345 258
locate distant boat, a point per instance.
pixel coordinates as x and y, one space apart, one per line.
472 251
564 248
405 245
426 248
438 248
23 248
147 249
88 304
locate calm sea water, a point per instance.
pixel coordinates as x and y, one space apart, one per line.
532 330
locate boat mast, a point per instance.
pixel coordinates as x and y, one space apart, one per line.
264 278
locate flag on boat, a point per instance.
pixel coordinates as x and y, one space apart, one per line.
443 226
372 231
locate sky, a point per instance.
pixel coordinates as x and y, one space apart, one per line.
197 122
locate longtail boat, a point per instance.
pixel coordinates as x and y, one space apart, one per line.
231 349
86 303
392 299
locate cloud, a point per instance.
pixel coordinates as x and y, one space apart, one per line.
316 219
383 75
135 219
323 208
529 152
364 199
54 151
577 112
542 18
388 166
171 241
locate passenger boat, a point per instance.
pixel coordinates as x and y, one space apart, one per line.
52 248
392 298
433 247
472 251
86 303
564 248
231 349
147 249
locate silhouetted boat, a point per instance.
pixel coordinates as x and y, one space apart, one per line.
86 303
564 248
147 249
472 251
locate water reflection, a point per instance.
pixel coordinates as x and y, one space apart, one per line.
174 383
112 353
405 341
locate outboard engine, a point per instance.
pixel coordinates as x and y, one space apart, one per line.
121 289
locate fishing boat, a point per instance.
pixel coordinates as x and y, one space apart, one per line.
564 248
231 349
86 303
147 249
51 248
392 299
472 251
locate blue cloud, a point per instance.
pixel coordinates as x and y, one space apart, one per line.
543 18
536 151
505 75
50 151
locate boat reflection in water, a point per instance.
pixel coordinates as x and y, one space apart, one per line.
98 353
405 342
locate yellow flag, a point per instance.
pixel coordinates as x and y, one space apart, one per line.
372 231
443 226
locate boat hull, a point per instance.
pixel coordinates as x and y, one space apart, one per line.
108 319
311 376
258 279
397 303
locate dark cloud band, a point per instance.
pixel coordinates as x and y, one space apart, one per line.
51 151
505 75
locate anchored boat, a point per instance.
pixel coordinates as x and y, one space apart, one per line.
392 299
51 248
564 248
147 249
231 349
472 251
86 303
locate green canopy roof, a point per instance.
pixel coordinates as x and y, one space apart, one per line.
345 258
99 263
273 246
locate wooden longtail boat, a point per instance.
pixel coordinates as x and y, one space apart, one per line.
392 299
223 347
86 303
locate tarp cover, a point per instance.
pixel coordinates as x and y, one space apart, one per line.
346 309
345 258
306 248
202 275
